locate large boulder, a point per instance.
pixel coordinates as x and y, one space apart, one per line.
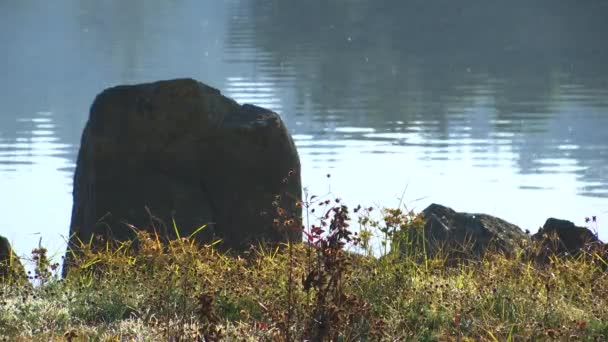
11 269
179 150
562 237
458 234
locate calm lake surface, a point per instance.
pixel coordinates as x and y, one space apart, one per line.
484 106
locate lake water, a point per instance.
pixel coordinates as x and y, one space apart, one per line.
487 106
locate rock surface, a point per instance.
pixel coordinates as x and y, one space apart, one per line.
180 150
564 237
10 265
465 235
470 234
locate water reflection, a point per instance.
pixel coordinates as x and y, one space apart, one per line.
527 76
262 92
35 170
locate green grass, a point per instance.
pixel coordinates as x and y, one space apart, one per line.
183 291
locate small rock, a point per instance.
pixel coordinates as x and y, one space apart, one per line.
562 236
11 269
468 234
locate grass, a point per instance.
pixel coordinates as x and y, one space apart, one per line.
321 290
